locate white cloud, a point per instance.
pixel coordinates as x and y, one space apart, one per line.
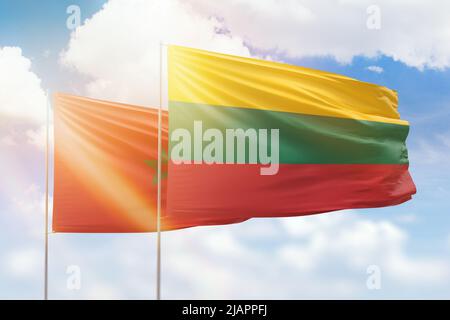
28 208
23 105
31 201
326 259
118 48
103 292
432 151
360 242
38 136
19 133
339 29
327 254
406 218
22 263
431 271
8 140
47 53
376 69
21 95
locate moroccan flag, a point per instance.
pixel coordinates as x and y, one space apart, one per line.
105 169
252 138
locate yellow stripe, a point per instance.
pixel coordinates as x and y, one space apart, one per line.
198 76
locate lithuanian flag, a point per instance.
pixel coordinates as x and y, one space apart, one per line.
251 138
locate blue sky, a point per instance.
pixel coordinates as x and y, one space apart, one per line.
416 234
37 27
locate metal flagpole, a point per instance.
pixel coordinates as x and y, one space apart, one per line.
46 199
158 209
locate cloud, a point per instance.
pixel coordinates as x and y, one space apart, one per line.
21 94
358 243
23 105
339 28
104 292
22 263
111 266
406 218
434 150
322 256
38 136
31 201
47 53
327 254
119 47
28 207
8 140
18 134
376 69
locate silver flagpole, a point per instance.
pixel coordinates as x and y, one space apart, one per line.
158 210
46 198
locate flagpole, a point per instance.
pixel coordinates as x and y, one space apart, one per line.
158 210
46 198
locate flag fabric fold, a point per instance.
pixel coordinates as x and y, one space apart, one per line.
341 142
105 166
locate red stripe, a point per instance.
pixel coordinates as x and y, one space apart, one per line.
201 194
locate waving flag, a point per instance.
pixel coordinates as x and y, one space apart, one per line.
251 138
105 166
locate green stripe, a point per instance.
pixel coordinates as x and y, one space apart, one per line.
304 139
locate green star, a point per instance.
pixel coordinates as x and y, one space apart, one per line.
154 165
